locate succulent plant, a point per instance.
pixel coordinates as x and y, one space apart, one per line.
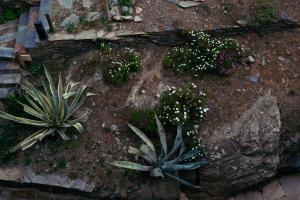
167 162
52 110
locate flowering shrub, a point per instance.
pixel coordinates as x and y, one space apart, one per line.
145 120
118 71
192 141
132 59
176 60
181 105
105 47
204 53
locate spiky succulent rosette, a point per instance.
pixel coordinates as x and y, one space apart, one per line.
51 110
167 162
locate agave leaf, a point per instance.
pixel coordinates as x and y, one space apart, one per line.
162 135
139 153
32 111
156 172
79 127
63 135
185 166
38 97
77 97
52 88
61 107
74 121
23 120
88 94
183 182
147 151
32 139
68 95
141 135
38 109
177 143
131 165
189 154
70 86
77 102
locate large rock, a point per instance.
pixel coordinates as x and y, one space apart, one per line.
26 175
244 152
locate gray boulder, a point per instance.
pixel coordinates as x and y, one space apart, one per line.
245 152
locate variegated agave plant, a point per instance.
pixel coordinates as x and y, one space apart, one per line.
168 161
51 110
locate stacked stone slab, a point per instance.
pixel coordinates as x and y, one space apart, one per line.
9 66
16 38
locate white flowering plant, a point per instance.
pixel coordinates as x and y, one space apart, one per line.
104 47
204 53
120 66
181 105
132 59
117 73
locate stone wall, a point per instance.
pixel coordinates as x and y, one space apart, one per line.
70 46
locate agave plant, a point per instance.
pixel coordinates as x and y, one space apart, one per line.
51 110
167 162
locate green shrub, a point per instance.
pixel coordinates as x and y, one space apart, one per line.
181 105
128 3
176 60
2 19
50 110
117 73
60 164
9 14
70 27
203 53
168 160
264 13
105 47
35 70
82 20
132 59
119 69
145 119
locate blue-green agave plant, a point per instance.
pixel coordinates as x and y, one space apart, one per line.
168 161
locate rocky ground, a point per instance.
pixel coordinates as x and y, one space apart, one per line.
161 15
285 187
250 132
252 119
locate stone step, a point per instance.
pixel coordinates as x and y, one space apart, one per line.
9 44
26 31
4 92
33 17
5 28
22 29
45 8
26 38
7 53
8 37
23 21
10 79
9 67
